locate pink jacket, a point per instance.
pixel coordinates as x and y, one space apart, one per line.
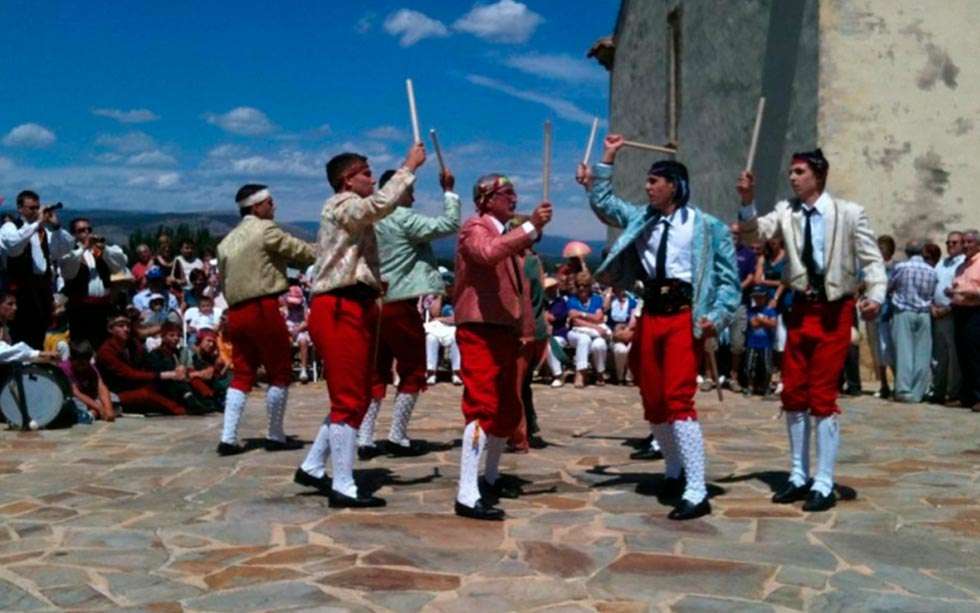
490 282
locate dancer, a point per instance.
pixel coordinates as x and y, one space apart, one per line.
825 239
408 266
252 260
344 313
493 313
686 260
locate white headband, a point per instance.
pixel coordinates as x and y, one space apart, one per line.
257 197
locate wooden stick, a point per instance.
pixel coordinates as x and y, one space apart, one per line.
546 172
709 355
411 111
435 145
646 147
755 134
588 148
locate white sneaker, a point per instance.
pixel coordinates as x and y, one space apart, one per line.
457 380
431 380
558 381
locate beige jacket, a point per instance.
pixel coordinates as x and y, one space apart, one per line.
347 249
253 257
850 247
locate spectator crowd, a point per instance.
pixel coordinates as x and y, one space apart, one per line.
145 331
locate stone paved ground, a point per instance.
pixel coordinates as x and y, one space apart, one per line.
142 515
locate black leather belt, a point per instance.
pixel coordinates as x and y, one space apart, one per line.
667 296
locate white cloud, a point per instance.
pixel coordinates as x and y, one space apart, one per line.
130 142
231 160
154 157
387 133
227 150
131 116
413 26
505 21
164 180
363 25
243 120
29 135
562 108
561 67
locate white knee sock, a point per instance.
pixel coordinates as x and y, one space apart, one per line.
828 437
491 468
687 436
365 434
672 459
474 442
404 404
234 404
316 458
275 407
343 443
798 428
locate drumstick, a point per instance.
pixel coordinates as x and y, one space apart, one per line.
646 147
755 134
412 112
546 172
588 147
435 145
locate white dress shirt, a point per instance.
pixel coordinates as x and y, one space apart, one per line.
816 225
527 226
14 240
946 272
679 239
72 261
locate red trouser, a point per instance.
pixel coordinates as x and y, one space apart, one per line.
344 332
258 335
148 398
401 341
665 358
817 337
489 356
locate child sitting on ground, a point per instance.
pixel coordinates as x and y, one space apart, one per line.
87 386
208 367
166 357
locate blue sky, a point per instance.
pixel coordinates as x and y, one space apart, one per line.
172 106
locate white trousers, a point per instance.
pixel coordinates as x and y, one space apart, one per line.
585 347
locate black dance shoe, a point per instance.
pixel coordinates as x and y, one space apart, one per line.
649 453
685 510
226 449
412 450
290 444
791 493
536 442
479 511
369 452
816 502
342 501
301 477
500 488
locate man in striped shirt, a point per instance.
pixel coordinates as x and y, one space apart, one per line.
912 287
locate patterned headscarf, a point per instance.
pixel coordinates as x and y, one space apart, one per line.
676 173
486 186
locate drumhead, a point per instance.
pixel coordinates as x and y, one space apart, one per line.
44 394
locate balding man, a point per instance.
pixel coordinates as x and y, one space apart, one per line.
912 287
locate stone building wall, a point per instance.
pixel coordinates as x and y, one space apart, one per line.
899 106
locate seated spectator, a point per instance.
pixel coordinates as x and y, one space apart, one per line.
155 284
169 266
293 305
222 341
11 352
556 313
120 361
188 261
209 367
622 339
87 387
198 288
618 305
202 317
440 331
58 335
589 331
141 264
759 343
199 397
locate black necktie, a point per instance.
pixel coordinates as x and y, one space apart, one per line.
808 261
662 253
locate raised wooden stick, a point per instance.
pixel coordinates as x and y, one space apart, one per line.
646 147
755 134
546 171
588 148
435 145
411 111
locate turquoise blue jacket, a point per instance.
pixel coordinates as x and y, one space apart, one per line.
717 292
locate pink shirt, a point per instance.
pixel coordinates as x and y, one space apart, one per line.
968 279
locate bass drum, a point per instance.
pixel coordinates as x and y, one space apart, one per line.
45 392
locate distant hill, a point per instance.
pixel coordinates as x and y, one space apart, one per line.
118 225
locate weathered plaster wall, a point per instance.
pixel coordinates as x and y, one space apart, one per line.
730 54
899 108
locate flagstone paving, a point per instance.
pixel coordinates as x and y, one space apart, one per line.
142 515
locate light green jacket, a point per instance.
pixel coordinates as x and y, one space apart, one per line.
408 264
